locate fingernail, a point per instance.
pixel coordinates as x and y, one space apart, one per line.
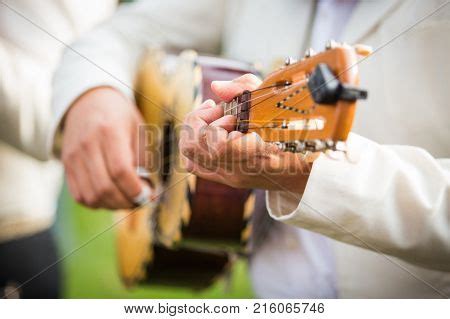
143 197
257 136
219 84
142 172
209 103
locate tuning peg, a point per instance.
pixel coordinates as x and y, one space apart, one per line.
331 44
363 50
309 53
289 60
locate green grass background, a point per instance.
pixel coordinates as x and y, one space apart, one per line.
91 271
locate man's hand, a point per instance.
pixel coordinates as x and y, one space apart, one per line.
213 150
100 146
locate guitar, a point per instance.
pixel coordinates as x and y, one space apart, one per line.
193 232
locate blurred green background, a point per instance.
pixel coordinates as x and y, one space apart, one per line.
91 272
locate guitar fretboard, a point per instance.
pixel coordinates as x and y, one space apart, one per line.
231 108
239 107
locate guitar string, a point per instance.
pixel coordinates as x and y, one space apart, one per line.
285 88
270 94
175 160
274 122
268 87
253 106
307 111
260 102
267 95
273 93
173 139
251 100
261 96
286 85
260 121
237 105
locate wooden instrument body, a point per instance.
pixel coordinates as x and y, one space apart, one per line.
189 236
337 118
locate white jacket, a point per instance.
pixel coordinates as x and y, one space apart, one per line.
29 186
393 199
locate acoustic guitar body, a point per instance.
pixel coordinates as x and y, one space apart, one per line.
189 236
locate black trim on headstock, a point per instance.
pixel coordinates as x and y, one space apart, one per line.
325 88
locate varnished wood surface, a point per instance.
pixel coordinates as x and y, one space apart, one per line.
339 117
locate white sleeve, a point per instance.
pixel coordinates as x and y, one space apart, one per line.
390 199
108 55
25 94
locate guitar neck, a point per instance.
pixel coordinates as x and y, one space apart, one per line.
240 108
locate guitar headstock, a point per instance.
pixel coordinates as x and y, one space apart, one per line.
305 105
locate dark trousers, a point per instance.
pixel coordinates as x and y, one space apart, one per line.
24 267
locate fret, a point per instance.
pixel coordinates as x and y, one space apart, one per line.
233 107
226 108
